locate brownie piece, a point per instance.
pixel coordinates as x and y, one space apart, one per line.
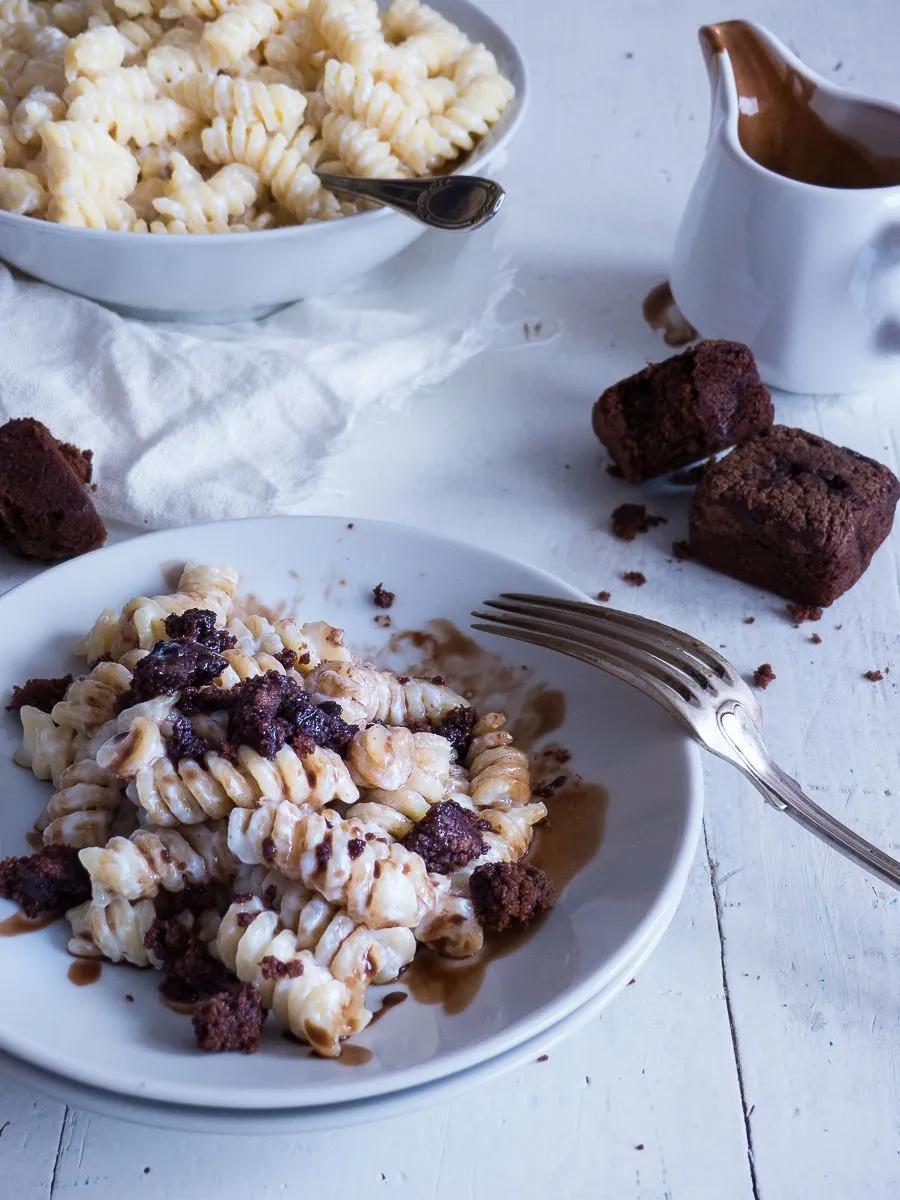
509 894
45 510
674 412
793 514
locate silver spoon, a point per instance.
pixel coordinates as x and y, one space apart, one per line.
449 202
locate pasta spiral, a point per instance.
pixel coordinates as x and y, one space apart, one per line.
201 205
499 772
366 694
376 883
136 867
278 107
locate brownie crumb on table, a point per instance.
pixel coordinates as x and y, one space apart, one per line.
628 520
447 838
681 550
230 1022
45 509
749 620
615 471
803 612
381 597
38 693
634 578
604 596
816 639
874 676
508 895
382 620
51 881
674 412
794 514
763 676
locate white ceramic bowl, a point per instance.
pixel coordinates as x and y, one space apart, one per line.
235 276
322 568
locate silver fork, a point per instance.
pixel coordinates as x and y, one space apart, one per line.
692 682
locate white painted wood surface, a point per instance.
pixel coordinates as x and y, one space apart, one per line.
756 1054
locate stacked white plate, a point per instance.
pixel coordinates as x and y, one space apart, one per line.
137 1060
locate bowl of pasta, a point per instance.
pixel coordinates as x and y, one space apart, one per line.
285 790
161 156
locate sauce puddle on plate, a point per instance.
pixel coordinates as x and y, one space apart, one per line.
566 841
18 924
84 971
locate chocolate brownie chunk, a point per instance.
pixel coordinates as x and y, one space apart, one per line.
457 728
199 625
674 412
381 597
45 511
874 676
792 513
763 676
446 838
509 894
272 709
51 881
634 578
803 612
628 520
38 693
227 1022
183 742
169 667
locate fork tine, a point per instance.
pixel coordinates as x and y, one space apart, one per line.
643 681
598 648
695 669
613 616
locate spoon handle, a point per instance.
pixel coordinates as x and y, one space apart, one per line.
448 202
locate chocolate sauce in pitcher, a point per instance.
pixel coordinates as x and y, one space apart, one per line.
781 125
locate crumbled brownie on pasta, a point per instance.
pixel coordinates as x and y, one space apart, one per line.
38 693
169 667
199 625
51 881
230 1022
509 894
447 838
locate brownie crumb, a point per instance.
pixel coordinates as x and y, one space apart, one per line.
287 658
183 742
542 1058
634 578
275 968
457 728
192 971
355 847
874 676
446 838
381 597
39 693
271 710
749 620
351 525
51 881
681 550
45 509
603 596
615 471
816 639
763 676
803 612
227 1022
382 620
628 520
169 667
509 894
199 625
129 997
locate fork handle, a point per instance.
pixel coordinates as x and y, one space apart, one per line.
785 794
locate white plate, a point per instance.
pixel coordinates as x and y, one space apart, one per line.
190 1119
603 917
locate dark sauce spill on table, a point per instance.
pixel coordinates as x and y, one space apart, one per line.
84 971
18 924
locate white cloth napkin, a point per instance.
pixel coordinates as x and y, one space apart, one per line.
191 423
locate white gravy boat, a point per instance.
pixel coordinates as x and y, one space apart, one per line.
791 237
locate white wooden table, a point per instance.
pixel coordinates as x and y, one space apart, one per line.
756 1055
